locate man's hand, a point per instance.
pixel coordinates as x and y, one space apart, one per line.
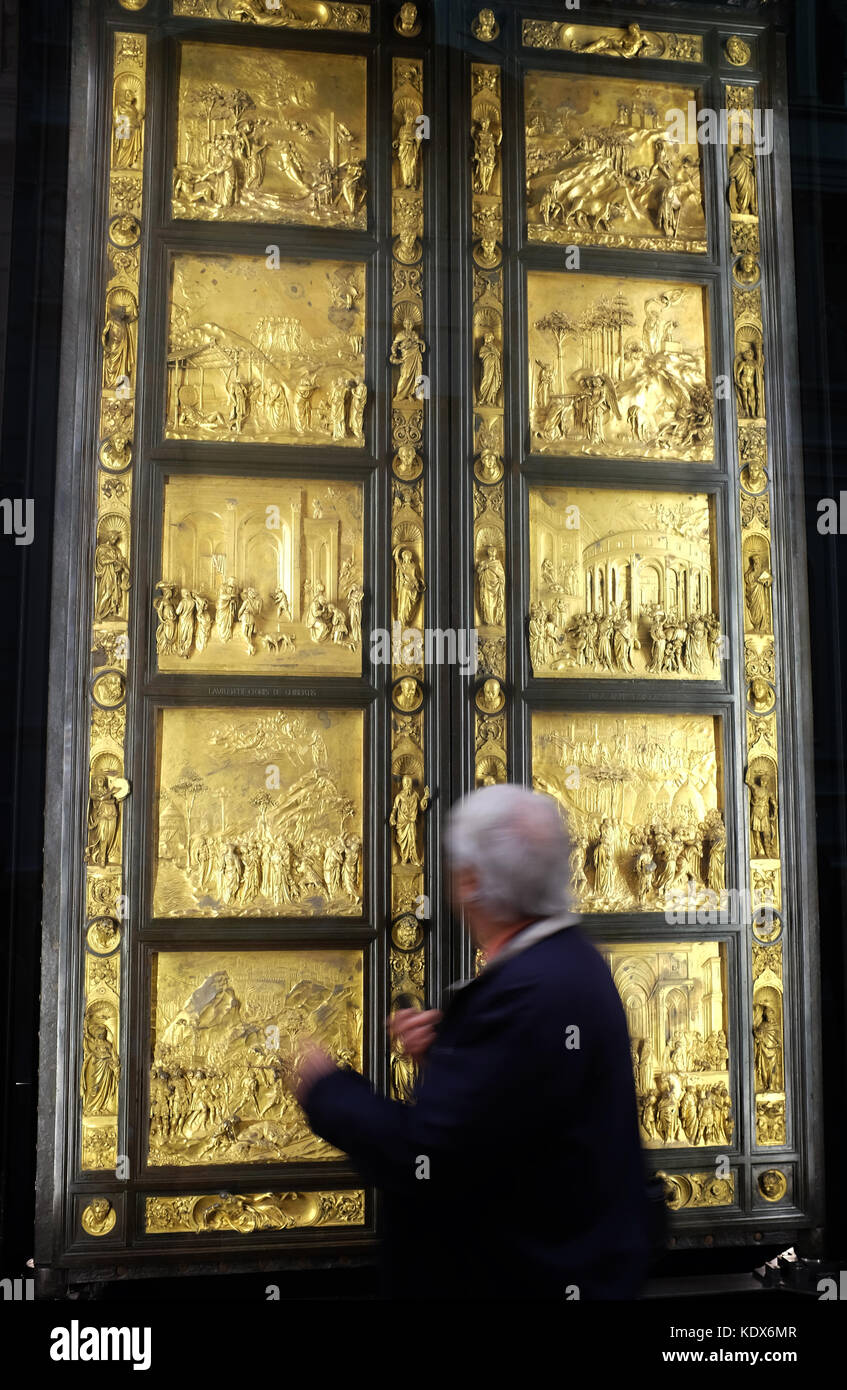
314 1063
415 1031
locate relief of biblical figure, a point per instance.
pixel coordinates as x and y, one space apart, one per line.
111 577
118 338
407 351
491 376
100 1068
261 138
491 579
743 188
408 584
404 818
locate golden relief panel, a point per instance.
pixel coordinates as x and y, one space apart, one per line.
258 813
623 584
629 42
674 997
618 367
267 350
264 136
228 1028
260 574
642 796
601 169
244 1213
305 14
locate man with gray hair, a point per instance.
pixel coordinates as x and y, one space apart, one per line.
516 1172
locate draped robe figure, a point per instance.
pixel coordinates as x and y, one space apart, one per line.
404 819
492 589
408 584
407 146
407 353
102 821
100 1071
766 1039
492 371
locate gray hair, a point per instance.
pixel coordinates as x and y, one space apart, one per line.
515 842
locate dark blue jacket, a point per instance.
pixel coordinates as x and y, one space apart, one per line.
536 1185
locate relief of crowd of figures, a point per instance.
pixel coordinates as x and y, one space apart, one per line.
270 352
263 137
297 548
259 814
673 996
641 796
622 583
227 1033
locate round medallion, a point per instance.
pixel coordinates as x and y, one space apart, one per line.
407 21
407 694
488 467
407 250
108 690
407 463
124 230
767 925
773 1185
760 696
407 932
747 270
99 1217
737 51
485 26
103 936
490 697
115 453
487 253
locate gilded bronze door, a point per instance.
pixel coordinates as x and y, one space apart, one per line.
429 425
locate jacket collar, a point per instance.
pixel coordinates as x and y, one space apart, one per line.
521 941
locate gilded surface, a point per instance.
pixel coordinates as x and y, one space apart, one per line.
674 997
488 345
108 788
228 1028
642 795
260 574
629 42
305 14
265 136
410 796
772 1184
697 1190
759 590
622 584
258 813
98 1217
601 169
257 1211
618 367
262 353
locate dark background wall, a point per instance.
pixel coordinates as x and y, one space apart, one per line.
34 80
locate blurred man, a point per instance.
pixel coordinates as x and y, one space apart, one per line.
516 1171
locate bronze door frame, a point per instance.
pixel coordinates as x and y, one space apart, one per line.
447 48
